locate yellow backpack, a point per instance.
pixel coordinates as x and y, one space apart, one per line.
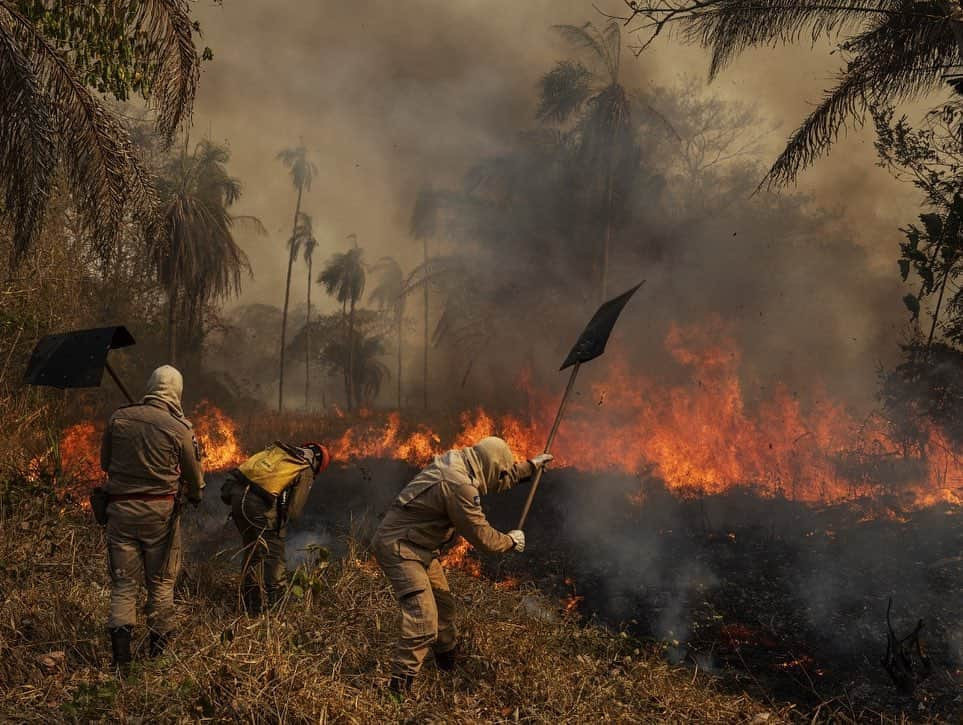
274 469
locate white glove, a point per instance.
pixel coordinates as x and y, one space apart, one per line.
519 538
541 459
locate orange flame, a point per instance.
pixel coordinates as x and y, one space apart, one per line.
459 557
701 434
216 434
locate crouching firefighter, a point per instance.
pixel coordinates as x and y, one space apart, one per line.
148 452
266 492
441 500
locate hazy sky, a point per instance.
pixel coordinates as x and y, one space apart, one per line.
390 95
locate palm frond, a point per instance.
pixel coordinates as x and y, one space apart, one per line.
389 292
605 45
167 29
343 276
899 59
101 167
728 27
27 144
563 91
584 37
302 169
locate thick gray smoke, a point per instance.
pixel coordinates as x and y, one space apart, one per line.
391 98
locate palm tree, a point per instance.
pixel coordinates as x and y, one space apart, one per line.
343 277
302 171
304 232
894 51
389 295
51 60
193 252
360 355
594 96
424 225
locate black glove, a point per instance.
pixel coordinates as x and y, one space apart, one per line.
195 501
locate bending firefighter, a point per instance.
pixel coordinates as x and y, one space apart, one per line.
148 451
441 500
265 492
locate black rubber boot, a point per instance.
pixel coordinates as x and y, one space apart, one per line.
120 647
252 601
158 643
400 685
274 597
446 660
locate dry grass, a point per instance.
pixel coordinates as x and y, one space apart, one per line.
324 658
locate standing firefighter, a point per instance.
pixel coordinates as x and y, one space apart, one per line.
265 492
148 451
441 500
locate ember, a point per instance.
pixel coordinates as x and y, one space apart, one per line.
508 583
572 601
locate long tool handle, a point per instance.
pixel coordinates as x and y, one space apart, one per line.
120 383
548 445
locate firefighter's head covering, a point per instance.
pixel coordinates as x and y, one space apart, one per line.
166 384
493 465
319 456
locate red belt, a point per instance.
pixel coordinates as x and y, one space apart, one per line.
112 498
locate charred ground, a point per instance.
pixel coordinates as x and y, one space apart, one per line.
778 599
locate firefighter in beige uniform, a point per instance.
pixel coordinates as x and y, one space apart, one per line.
441 500
148 450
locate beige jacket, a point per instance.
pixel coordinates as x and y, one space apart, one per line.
443 499
148 449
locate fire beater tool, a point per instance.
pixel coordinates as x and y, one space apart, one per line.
590 345
78 359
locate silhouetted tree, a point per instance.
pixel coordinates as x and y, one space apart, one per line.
302 173
343 277
389 294
193 251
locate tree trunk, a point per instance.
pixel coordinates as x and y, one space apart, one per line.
939 303
400 319
353 402
607 235
307 346
425 376
172 323
347 341
287 296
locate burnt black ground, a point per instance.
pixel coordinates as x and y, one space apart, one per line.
779 598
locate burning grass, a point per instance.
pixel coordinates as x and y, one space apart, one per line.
323 658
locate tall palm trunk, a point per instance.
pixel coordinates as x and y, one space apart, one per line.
607 234
307 346
353 401
172 323
287 296
425 380
606 238
347 377
399 320
939 303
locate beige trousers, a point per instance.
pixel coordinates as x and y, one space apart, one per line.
427 609
137 554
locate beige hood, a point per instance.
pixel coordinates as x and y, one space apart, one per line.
492 462
166 385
